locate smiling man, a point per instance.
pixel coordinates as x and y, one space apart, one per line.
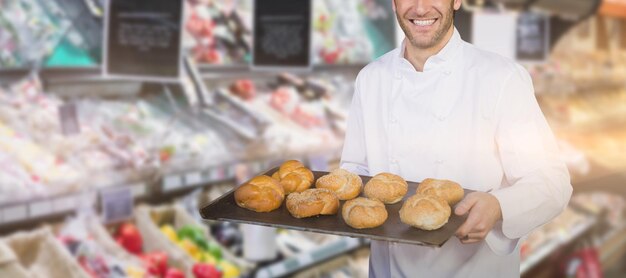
438 107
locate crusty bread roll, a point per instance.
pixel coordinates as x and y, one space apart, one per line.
361 213
450 191
426 212
345 184
312 202
386 187
260 194
293 176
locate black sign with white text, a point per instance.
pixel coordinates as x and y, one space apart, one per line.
282 33
532 37
143 39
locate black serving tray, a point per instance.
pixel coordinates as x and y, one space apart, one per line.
225 209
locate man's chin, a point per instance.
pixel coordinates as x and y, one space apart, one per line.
422 44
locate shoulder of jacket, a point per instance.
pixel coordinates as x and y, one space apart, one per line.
498 71
489 62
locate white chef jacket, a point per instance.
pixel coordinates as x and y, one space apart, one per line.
471 117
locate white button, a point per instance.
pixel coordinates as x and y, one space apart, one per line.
398 76
447 72
393 120
393 161
439 161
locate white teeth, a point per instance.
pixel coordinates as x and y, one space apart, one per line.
423 22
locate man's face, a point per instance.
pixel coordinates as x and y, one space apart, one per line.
425 22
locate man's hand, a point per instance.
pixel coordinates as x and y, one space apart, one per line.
484 211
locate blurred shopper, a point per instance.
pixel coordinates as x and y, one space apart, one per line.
438 107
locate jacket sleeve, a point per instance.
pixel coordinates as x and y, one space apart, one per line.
537 182
354 154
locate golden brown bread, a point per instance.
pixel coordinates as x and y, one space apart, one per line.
361 213
426 212
344 183
312 202
450 191
293 176
386 187
260 194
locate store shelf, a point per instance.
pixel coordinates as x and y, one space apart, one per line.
75 73
174 182
540 254
28 213
307 259
218 72
613 246
608 181
94 73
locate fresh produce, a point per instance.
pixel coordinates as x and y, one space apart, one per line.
174 273
169 232
133 272
203 270
243 88
228 269
191 249
156 262
196 236
207 254
129 237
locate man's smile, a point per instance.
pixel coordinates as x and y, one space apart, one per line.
423 22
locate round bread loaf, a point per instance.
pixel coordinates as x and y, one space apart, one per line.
386 187
293 176
345 184
361 213
450 191
260 194
425 212
312 202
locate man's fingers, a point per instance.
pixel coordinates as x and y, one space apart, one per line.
473 237
471 240
478 222
469 225
464 206
464 229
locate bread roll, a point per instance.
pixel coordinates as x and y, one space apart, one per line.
312 202
260 194
386 187
426 212
361 213
345 184
450 191
293 176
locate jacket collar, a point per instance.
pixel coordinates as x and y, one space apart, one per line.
446 65
437 61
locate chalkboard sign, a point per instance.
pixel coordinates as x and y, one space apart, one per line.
142 39
532 38
282 34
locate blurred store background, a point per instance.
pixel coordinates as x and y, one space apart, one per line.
103 176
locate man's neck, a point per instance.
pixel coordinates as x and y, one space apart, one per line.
418 56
